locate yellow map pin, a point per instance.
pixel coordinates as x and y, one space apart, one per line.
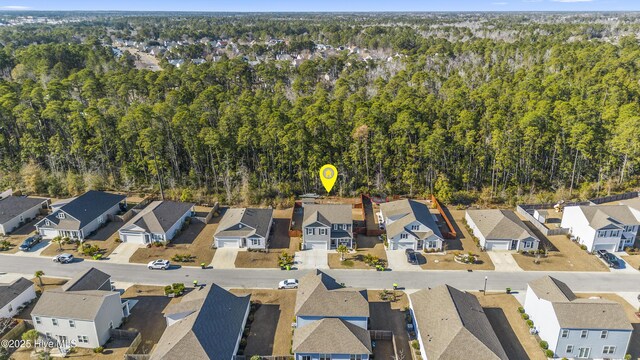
328 175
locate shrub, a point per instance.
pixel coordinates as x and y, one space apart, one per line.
5 245
549 353
256 357
521 310
530 323
415 344
98 350
583 247
525 316
544 345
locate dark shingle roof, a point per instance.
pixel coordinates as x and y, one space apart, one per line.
12 206
160 216
8 292
91 279
210 332
86 208
256 222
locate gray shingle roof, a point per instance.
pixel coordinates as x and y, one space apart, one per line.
327 214
210 332
159 216
320 295
600 216
574 313
333 336
13 206
85 208
91 279
254 222
500 224
8 292
80 305
633 203
409 211
452 325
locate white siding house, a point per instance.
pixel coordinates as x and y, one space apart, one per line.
501 230
606 227
15 295
410 225
244 228
159 221
577 328
16 211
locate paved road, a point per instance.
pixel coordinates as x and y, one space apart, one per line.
268 278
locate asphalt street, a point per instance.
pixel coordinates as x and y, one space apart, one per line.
269 278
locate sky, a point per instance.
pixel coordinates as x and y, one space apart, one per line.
325 5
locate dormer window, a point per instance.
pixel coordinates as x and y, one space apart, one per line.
60 215
239 226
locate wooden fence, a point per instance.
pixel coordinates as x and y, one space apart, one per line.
451 234
134 210
208 217
16 331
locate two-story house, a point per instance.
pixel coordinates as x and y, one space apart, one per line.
410 225
601 227
81 216
159 221
207 323
577 328
327 226
82 313
331 321
244 228
501 230
451 324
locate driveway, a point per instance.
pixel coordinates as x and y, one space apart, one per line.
36 250
123 252
398 261
627 268
311 259
225 258
504 261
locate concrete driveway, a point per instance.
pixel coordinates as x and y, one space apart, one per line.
36 250
398 261
123 252
225 258
311 259
627 268
503 261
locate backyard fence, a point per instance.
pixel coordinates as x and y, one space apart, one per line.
133 211
610 198
381 334
452 231
15 332
208 217
267 357
535 222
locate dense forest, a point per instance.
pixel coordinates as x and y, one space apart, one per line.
498 107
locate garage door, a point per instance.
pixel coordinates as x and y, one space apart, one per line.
228 243
608 247
318 245
405 245
132 238
497 245
48 233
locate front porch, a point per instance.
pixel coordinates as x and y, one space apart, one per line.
335 242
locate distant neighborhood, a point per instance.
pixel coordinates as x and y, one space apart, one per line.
75 306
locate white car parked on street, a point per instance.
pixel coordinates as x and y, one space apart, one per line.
288 284
159 264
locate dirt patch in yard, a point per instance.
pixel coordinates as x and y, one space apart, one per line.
271 331
200 247
633 261
512 331
564 255
113 350
258 259
147 315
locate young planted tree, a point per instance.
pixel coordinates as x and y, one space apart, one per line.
39 274
342 250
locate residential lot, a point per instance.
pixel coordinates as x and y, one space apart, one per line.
17 237
513 332
563 255
633 261
634 345
105 238
355 259
196 239
279 241
270 332
391 316
113 350
147 315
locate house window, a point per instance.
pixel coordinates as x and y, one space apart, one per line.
38 320
584 334
569 349
325 357
584 352
403 236
305 357
323 231
54 322
609 349
565 333
309 231
72 323
602 233
60 215
528 244
415 227
355 357
255 242
604 334
335 226
83 339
